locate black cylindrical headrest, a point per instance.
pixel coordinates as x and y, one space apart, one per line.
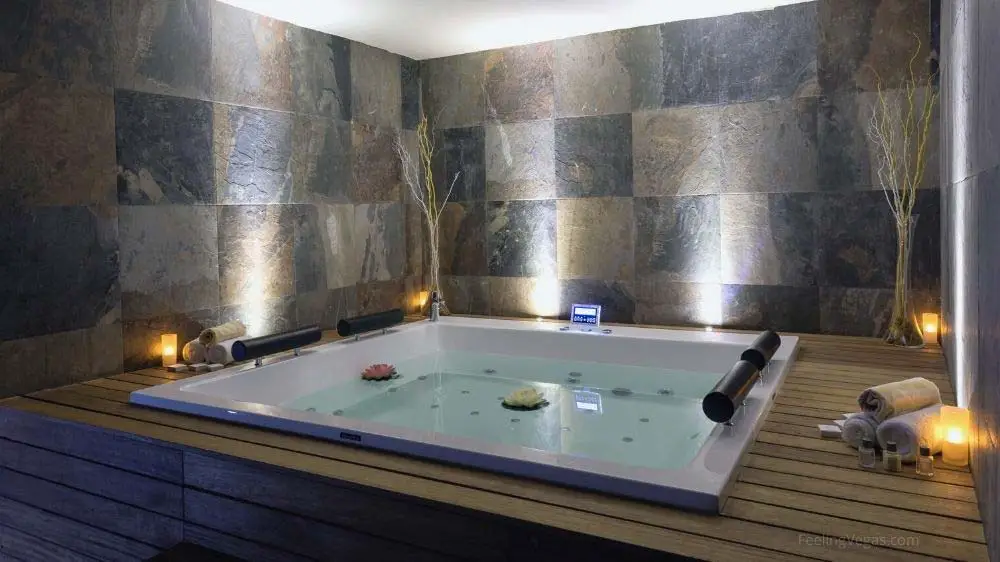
370 322
275 343
762 349
722 402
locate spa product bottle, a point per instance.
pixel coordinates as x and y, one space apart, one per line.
925 462
866 454
891 461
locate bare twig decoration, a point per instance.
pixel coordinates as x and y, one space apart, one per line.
900 129
419 178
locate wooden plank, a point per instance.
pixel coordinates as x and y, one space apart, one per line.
893 543
839 388
234 546
802 410
33 549
136 378
951 508
863 478
103 393
74 535
295 534
850 462
794 419
160 372
363 510
119 485
111 448
103 513
117 385
927 522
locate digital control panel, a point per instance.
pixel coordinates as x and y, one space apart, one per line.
588 401
587 314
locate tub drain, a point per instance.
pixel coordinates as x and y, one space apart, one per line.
627 439
665 391
621 391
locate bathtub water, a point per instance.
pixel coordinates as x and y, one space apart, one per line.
457 393
623 416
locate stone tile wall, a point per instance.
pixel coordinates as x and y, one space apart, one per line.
166 165
711 171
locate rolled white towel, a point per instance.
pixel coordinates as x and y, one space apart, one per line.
858 427
896 398
193 352
910 430
221 352
223 332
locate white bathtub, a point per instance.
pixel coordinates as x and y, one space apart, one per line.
624 413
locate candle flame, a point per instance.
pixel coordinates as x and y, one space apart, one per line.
955 435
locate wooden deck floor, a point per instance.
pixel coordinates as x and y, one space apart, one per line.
797 496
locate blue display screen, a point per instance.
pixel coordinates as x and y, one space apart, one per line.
586 314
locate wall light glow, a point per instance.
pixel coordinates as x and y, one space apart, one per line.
709 305
545 296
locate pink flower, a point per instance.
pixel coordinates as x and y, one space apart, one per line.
378 372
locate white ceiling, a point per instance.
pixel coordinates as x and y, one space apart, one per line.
424 29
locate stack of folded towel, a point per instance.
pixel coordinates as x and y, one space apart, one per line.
214 345
905 412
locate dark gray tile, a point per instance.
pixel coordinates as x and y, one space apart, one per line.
762 307
58 269
326 308
769 239
769 54
679 237
461 154
769 146
594 156
409 72
858 40
375 168
521 238
844 159
677 151
857 240
321 73
519 83
661 301
644 56
616 298
692 63
583 226
520 161
264 317
58 143
251 59
376 97
24 365
256 254
379 296
855 312
164 149
925 260
309 254
592 75
169 259
163 46
106 349
321 159
453 90
380 241
253 155
141 338
67 358
462 239
466 295
60 39
417 249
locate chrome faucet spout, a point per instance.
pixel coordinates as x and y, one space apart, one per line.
435 307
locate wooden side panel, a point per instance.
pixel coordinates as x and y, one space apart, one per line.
306 537
103 513
74 535
33 549
126 487
233 546
364 510
120 450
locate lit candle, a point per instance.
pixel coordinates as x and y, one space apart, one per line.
168 349
954 426
930 322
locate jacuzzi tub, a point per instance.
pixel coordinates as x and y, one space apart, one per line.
624 413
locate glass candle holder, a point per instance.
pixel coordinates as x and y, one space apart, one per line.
168 349
954 428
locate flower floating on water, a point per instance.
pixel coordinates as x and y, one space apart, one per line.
378 372
524 399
